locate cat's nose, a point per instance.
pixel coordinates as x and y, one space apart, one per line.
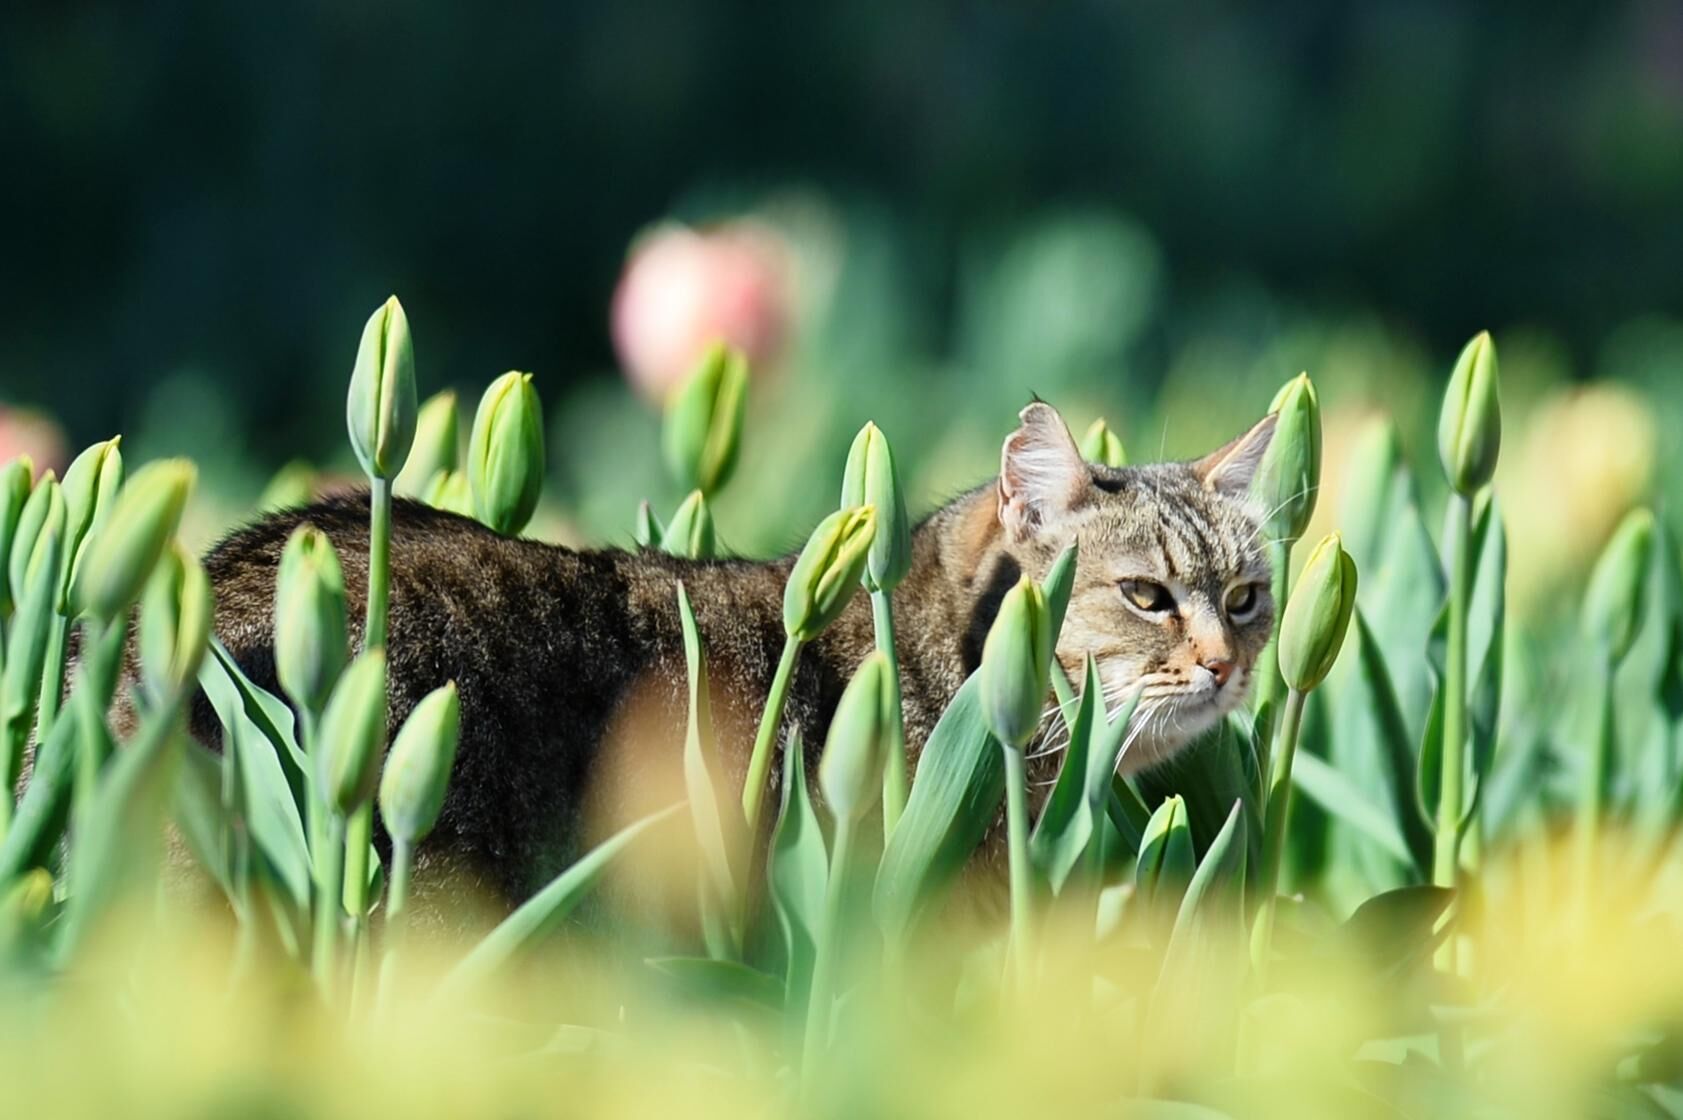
1220 668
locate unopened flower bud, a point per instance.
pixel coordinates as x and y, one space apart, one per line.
1613 604
143 519
435 447
1288 480
1017 665
1103 446
176 611
1470 425
703 426
352 734
449 491
310 628
1318 614
380 411
850 773
690 532
648 531
871 480
505 454
827 572
44 504
417 770
16 479
90 486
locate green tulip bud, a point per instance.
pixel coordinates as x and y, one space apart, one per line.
449 491
1103 446
435 447
45 503
143 519
648 531
1317 615
352 734
292 486
418 766
176 610
1470 425
90 486
1613 604
36 565
310 628
16 479
380 411
505 454
703 425
871 480
827 572
690 532
1017 665
1288 480
850 773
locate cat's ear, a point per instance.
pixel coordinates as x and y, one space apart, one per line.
1229 469
1041 473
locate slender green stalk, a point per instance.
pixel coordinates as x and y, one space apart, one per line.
759 764
1458 547
1022 885
379 562
52 676
895 776
1276 825
827 952
1597 779
1270 685
397 890
330 875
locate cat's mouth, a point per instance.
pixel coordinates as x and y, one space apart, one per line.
1170 717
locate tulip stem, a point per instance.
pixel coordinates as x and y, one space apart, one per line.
895 778
1593 795
359 831
1276 825
753 790
1457 545
1270 684
1022 884
822 998
1446 850
330 877
52 676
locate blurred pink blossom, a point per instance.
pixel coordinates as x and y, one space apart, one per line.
24 431
684 288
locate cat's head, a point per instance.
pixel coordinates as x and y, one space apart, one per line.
1172 590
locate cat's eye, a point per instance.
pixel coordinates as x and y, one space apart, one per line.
1144 595
1242 601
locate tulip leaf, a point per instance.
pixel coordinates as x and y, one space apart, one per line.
1058 585
45 807
1166 860
955 797
1074 823
799 872
715 980
1335 793
539 915
718 824
268 791
1382 719
1396 928
200 815
125 826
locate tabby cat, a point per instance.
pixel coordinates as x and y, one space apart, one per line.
570 663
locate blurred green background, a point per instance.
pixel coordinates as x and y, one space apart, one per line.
918 213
